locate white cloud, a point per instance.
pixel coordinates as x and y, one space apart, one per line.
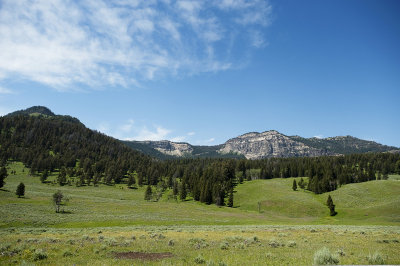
160 133
98 43
128 126
178 139
5 91
104 127
319 136
210 140
191 133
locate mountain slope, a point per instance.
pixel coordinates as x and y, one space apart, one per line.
44 141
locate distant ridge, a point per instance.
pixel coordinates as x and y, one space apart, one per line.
251 145
268 144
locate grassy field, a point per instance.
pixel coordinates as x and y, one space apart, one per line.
270 225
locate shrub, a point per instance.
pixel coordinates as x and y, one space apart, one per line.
171 243
198 243
4 247
325 257
67 253
224 245
291 244
199 260
273 243
376 258
341 252
39 255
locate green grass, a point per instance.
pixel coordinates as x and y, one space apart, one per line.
394 177
374 202
290 227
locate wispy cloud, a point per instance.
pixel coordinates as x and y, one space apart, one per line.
132 130
159 133
66 44
5 91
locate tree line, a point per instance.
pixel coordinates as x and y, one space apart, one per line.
81 156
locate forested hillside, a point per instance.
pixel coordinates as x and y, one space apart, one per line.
49 143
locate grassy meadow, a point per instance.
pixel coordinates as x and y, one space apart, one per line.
270 224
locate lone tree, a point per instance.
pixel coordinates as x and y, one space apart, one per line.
57 200
331 206
148 193
3 175
294 185
20 190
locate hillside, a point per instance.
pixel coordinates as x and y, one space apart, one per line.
373 202
44 141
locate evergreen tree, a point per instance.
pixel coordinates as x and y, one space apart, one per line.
20 190
3 175
132 179
148 193
44 176
175 189
302 185
183 192
230 198
331 206
294 187
62 177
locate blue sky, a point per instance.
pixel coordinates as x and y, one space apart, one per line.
206 71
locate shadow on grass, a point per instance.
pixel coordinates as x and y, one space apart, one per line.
5 190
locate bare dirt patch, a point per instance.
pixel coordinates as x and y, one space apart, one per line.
142 255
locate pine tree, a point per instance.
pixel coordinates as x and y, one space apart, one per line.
331 206
44 176
3 175
148 193
132 179
302 185
20 190
183 192
175 189
294 185
230 198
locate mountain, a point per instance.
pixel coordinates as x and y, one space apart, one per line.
43 112
166 149
255 145
271 143
45 141
344 144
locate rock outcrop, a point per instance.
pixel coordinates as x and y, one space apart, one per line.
170 148
268 144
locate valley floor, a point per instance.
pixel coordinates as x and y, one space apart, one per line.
270 224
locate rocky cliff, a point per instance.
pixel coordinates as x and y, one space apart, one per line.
267 144
170 148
